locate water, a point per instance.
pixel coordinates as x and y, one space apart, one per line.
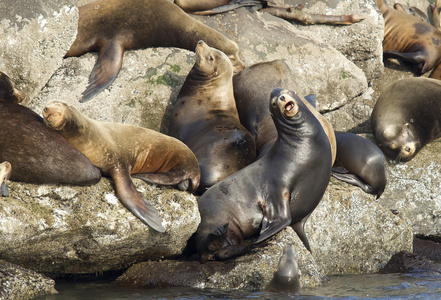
417 285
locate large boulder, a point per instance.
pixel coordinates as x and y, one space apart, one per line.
69 229
36 35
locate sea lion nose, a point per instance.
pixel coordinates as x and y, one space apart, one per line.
407 149
282 98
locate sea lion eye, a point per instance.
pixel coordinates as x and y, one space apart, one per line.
45 109
211 58
407 149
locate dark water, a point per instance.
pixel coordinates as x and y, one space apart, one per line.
423 285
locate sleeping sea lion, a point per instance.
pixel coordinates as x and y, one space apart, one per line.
286 278
251 89
5 172
360 162
113 26
280 189
120 150
407 116
205 118
408 38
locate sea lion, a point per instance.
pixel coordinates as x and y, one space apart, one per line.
120 150
407 116
408 38
280 189
5 172
286 278
38 154
436 13
8 91
251 89
113 26
412 10
205 118
360 162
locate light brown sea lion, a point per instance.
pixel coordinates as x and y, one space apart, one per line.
5 172
251 88
407 116
113 26
205 118
281 189
120 150
8 91
408 38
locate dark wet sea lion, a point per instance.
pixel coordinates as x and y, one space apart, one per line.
252 87
39 154
120 150
280 189
286 278
360 162
5 172
113 26
8 91
408 38
205 118
407 116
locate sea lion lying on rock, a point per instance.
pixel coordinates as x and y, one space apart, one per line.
120 150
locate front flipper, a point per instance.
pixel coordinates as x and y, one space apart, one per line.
165 179
276 216
105 70
353 179
299 228
133 200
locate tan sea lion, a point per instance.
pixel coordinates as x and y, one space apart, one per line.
407 116
281 189
205 118
113 26
120 150
5 172
408 38
251 88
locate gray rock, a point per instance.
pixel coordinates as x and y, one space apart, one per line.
69 229
350 232
361 43
253 270
35 35
17 283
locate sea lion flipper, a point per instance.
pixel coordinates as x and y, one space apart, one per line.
299 228
135 201
411 57
105 70
354 180
276 216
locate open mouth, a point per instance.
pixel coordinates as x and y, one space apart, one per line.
289 106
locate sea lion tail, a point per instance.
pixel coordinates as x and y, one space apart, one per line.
105 71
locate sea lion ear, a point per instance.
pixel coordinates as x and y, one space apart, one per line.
390 132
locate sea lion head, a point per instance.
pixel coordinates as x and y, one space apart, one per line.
55 115
8 91
212 63
284 104
398 142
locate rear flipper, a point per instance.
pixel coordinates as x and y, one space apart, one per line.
105 70
166 179
135 201
417 58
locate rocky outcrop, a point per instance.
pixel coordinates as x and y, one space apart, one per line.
35 35
17 283
69 229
